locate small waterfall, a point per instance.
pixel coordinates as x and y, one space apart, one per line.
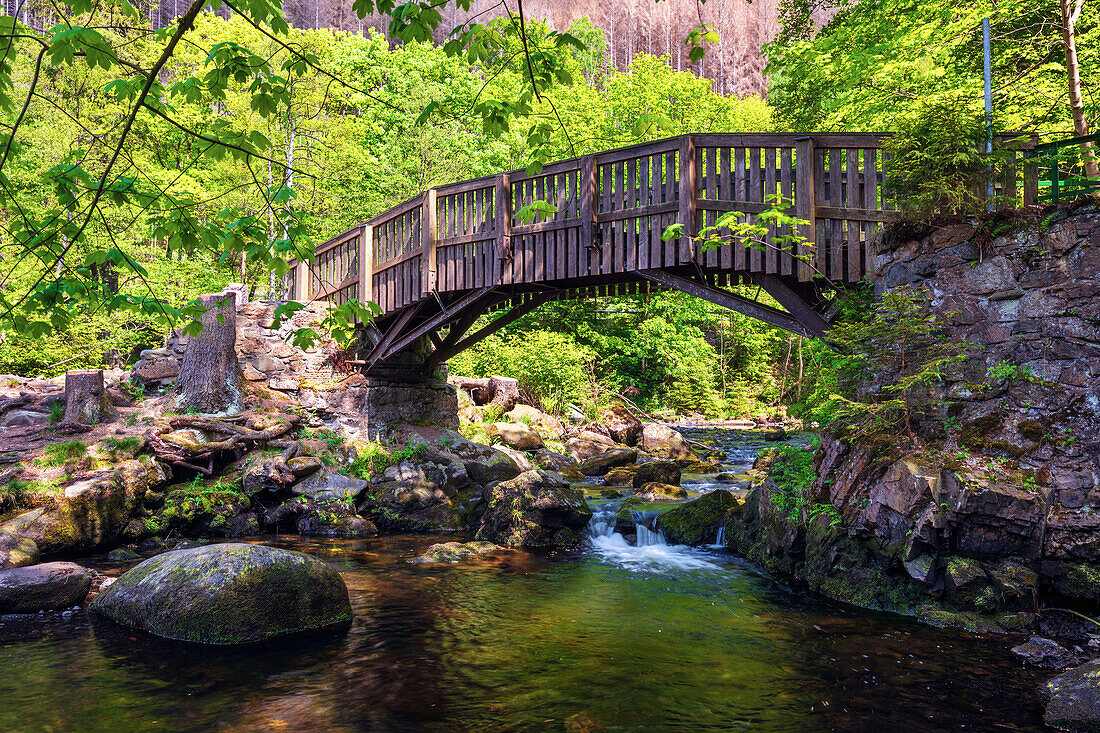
720 540
645 526
650 549
602 523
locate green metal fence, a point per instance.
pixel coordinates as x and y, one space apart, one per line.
1062 169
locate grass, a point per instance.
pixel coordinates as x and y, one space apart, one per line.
57 412
60 454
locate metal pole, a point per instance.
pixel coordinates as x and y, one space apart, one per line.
988 74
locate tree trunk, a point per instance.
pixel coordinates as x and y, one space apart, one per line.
1073 72
211 381
86 400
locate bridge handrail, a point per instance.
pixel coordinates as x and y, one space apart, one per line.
460 235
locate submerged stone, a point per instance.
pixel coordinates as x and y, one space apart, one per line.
697 522
227 594
1074 699
455 551
45 587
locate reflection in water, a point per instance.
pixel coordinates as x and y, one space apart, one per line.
616 637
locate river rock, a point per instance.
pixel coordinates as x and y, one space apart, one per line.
520 460
303 466
270 475
326 485
620 476
536 509
46 587
227 594
548 425
1074 699
16 551
122 555
661 441
516 435
656 491
483 464
696 522
599 465
621 425
1047 653
665 472
89 514
455 551
587 444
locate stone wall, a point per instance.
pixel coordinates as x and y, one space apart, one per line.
1000 505
275 369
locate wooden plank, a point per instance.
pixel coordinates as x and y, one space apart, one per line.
688 200
833 228
755 194
786 190
630 201
710 258
725 192
852 200
502 211
390 335
805 203
740 193
732 301
587 191
771 260
366 263
645 228
656 224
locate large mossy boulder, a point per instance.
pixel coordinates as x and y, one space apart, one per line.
16 551
517 435
664 442
537 509
47 587
1074 699
697 522
89 514
665 472
600 464
227 594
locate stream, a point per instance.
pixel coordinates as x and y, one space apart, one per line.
616 636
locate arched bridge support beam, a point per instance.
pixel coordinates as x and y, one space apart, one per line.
801 318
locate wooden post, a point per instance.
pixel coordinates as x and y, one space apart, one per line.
688 203
503 212
366 264
804 206
1031 175
427 240
301 282
587 189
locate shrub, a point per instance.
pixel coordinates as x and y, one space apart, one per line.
546 362
939 167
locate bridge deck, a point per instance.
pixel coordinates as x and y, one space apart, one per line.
459 249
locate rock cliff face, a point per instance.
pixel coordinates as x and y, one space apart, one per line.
1002 509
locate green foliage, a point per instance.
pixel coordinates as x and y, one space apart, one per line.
876 60
893 358
545 361
59 454
792 473
938 166
1003 370
57 412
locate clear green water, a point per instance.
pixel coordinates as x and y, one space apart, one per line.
524 643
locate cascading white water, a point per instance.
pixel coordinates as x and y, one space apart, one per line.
720 540
650 548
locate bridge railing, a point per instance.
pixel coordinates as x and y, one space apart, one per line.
611 209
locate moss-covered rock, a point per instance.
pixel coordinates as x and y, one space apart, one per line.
536 509
90 514
600 464
1074 699
656 491
621 476
664 472
1078 582
455 551
16 551
227 594
696 522
46 587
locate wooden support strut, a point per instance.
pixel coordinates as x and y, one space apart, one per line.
793 302
688 199
804 204
514 314
391 333
734 302
439 319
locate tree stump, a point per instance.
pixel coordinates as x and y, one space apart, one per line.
86 399
210 380
504 391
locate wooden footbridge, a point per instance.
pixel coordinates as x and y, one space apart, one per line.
438 261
